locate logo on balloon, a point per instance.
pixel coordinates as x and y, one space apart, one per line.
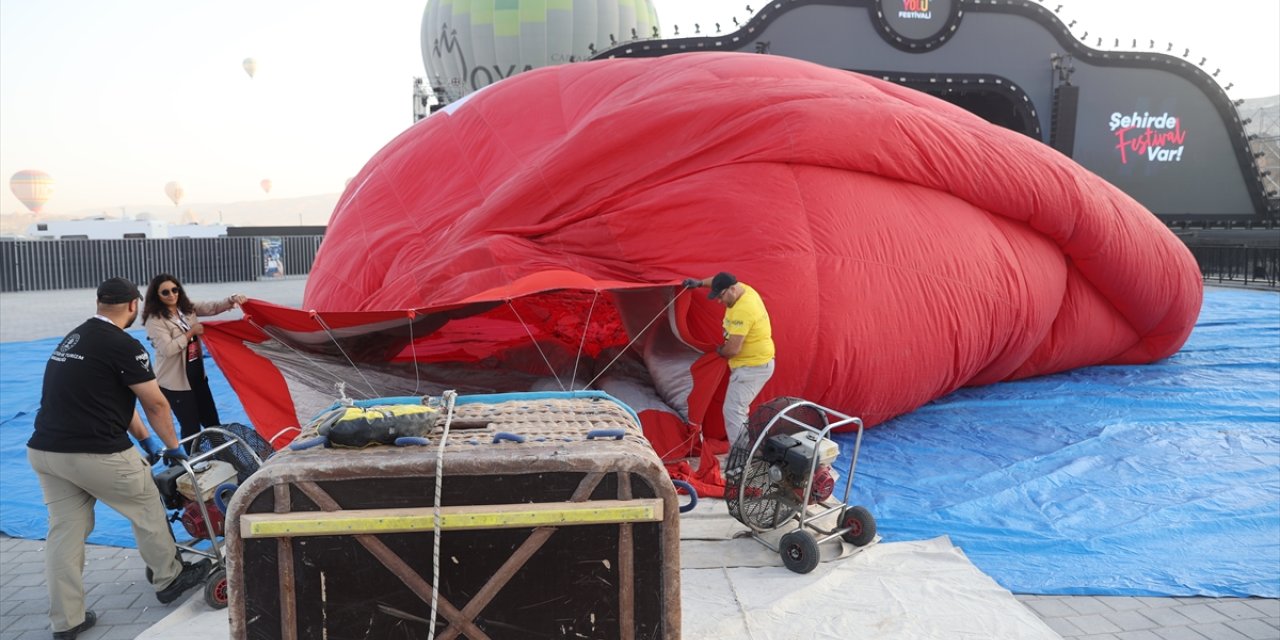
1158 138
476 77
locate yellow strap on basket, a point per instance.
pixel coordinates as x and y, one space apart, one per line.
456 518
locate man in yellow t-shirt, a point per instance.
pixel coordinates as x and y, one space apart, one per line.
748 346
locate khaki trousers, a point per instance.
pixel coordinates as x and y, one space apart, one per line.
745 384
72 484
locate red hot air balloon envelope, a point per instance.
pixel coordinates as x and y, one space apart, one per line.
525 236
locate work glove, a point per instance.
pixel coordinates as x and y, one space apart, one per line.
690 283
172 456
154 448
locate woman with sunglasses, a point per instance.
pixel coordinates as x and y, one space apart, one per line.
174 329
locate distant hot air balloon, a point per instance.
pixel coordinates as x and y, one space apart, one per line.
468 45
250 66
175 192
32 187
266 185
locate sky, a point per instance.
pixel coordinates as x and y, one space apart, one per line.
116 99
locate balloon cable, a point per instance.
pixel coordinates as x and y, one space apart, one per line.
586 325
660 313
417 380
334 339
535 344
318 367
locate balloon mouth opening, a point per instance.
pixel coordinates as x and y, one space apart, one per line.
624 343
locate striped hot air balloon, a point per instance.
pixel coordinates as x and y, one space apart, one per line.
469 44
266 185
32 187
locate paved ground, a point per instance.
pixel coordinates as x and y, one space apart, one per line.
126 605
31 315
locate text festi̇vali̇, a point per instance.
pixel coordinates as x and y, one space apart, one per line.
1152 136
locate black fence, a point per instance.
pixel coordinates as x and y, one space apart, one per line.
1246 266
37 265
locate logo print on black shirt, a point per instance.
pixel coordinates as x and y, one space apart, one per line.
70 342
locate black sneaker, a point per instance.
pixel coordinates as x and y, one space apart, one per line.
90 618
193 573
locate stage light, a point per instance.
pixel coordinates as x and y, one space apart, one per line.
697 28
677 29
1187 52
1246 121
1085 36
749 9
1169 48
1217 71
1057 9
717 27
1152 45
1117 44
1229 85
1202 61
1073 23
1238 102
1099 42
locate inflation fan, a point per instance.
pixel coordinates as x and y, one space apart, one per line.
780 470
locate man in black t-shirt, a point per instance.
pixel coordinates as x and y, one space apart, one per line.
81 454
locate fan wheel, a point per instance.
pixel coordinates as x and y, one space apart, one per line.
799 551
861 525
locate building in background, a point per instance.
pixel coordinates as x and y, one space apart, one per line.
1147 119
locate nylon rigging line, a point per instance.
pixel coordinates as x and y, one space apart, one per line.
318 366
660 313
323 325
417 380
536 345
552 369
585 326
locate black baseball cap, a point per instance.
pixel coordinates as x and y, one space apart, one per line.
117 291
722 281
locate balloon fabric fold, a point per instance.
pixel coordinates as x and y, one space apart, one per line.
532 236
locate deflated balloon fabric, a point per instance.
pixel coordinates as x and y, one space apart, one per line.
904 247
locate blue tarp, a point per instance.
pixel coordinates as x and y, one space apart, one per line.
1160 479
22 511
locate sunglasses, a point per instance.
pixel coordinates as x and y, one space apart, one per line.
170 292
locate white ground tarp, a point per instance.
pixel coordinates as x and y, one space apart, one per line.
736 588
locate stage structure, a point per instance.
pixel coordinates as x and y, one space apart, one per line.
1153 123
